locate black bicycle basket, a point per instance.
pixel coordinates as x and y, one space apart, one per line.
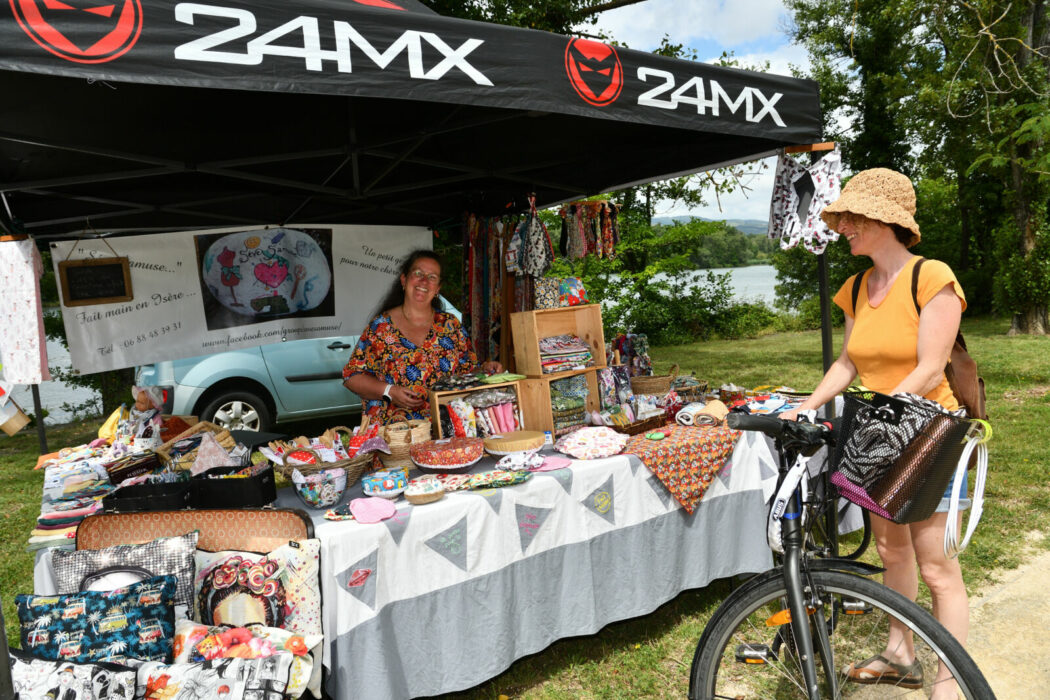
895 458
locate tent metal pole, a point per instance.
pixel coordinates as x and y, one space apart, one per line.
38 411
7 685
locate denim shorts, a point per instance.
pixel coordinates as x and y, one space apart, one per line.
964 502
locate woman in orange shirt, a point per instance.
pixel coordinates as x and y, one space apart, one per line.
894 349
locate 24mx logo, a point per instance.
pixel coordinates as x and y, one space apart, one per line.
79 31
412 43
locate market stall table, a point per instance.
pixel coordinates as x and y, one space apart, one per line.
447 595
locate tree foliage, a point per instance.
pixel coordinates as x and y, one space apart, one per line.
955 94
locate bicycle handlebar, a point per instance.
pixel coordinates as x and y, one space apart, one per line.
780 429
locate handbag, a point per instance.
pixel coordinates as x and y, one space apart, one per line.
547 293
897 456
571 292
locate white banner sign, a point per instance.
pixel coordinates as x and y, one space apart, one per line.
203 292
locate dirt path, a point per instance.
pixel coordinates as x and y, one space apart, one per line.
1010 631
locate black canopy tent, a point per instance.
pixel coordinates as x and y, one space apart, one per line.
160 115
154 114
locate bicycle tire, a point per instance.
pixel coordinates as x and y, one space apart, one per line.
741 619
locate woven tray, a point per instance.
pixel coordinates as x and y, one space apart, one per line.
657 385
641 426
689 394
222 436
355 466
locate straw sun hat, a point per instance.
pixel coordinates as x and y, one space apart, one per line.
880 194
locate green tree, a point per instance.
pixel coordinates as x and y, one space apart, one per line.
559 16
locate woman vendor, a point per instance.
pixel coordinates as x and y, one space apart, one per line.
408 346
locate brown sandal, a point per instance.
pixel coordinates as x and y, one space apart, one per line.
900 675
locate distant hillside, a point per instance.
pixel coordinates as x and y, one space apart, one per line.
753 227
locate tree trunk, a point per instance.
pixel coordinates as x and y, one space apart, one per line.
1031 321
115 387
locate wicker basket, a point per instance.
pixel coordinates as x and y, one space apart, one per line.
222 436
692 393
642 426
400 437
355 466
656 385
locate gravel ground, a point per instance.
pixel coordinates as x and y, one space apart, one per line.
1010 631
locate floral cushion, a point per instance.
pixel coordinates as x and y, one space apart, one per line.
219 679
592 443
89 569
36 679
197 642
277 589
134 622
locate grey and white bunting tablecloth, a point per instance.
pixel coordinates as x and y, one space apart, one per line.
447 595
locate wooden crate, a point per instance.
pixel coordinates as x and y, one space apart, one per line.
528 327
536 397
443 398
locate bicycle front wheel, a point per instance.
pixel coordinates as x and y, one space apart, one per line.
747 650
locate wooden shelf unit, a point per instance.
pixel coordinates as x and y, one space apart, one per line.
536 397
443 398
529 327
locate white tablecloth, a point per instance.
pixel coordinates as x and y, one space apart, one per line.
447 595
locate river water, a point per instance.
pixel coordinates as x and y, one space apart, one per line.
755 283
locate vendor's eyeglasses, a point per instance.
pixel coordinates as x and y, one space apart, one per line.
418 275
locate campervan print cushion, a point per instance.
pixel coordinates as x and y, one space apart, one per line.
36 679
277 589
135 622
220 679
89 569
195 642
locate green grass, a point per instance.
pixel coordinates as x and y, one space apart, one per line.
649 657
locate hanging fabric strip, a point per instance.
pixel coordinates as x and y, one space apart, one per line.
799 195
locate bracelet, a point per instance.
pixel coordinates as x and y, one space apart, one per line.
386 392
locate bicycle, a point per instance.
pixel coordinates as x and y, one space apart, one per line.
752 646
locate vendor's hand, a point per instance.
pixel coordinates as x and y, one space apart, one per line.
405 398
491 367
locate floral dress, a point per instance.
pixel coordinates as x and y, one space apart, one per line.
389 356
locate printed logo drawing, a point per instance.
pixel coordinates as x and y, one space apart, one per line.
90 32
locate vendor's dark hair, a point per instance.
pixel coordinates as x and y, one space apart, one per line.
396 296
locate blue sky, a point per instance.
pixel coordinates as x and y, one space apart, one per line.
753 30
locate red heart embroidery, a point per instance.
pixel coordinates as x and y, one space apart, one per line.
271 274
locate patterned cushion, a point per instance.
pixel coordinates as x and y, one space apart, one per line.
197 642
36 679
136 622
91 569
592 443
221 679
278 589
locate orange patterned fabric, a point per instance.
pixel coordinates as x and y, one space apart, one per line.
687 460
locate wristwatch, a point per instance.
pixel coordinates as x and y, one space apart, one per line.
386 392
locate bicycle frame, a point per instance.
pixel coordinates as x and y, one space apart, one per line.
795 570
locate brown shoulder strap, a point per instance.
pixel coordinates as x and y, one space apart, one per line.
915 284
856 290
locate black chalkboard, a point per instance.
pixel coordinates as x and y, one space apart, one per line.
95 281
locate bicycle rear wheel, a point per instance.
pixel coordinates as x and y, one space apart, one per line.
745 653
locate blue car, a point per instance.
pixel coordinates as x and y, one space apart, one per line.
254 388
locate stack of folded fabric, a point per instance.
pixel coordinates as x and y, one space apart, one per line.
72 491
559 353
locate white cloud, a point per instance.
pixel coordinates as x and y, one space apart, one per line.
780 59
752 204
729 23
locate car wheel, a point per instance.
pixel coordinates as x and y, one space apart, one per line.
238 410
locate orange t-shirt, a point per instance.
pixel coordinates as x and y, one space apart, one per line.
884 343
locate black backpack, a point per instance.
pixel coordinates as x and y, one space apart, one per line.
961 369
